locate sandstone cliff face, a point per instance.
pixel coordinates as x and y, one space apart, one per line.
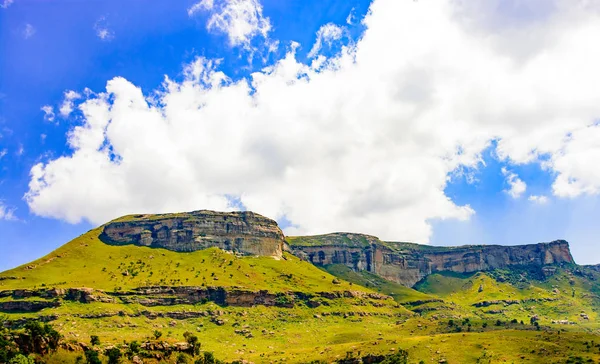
407 263
242 232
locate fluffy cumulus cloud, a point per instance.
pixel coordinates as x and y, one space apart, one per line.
516 186
240 20
327 34
365 140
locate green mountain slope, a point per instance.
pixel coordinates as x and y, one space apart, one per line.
88 262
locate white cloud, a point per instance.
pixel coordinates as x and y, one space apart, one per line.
516 187
3 152
240 20
576 163
327 34
541 199
21 150
29 31
48 112
7 213
362 141
6 3
102 29
66 108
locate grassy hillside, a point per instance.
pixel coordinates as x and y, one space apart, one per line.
400 293
561 297
88 262
441 320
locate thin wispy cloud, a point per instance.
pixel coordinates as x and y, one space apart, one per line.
6 3
29 31
239 20
350 17
102 29
7 213
541 199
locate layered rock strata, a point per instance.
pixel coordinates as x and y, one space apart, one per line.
407 263
242 232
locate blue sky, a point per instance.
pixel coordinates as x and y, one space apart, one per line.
440 123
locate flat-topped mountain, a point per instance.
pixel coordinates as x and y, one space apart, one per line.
408 263
248 233
243 232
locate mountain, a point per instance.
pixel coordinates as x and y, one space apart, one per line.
250 293
407 263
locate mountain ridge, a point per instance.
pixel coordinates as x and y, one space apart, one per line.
249 233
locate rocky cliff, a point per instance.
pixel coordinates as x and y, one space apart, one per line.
407 263
243 232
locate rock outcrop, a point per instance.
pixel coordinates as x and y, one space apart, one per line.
152 296
242 232
407 263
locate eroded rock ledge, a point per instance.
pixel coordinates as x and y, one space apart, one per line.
243 232
174 295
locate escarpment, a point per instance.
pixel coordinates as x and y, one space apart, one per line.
407 263
243 232
252 234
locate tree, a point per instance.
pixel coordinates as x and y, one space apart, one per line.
134 348
208 358
91 357
94 340
157 334
114 355
192 340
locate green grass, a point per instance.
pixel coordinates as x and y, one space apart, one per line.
400 293
88 262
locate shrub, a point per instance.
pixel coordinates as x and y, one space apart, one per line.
91 357
192 340
208 358
182 359
113 355
22 359
94 340
134 348
157 334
